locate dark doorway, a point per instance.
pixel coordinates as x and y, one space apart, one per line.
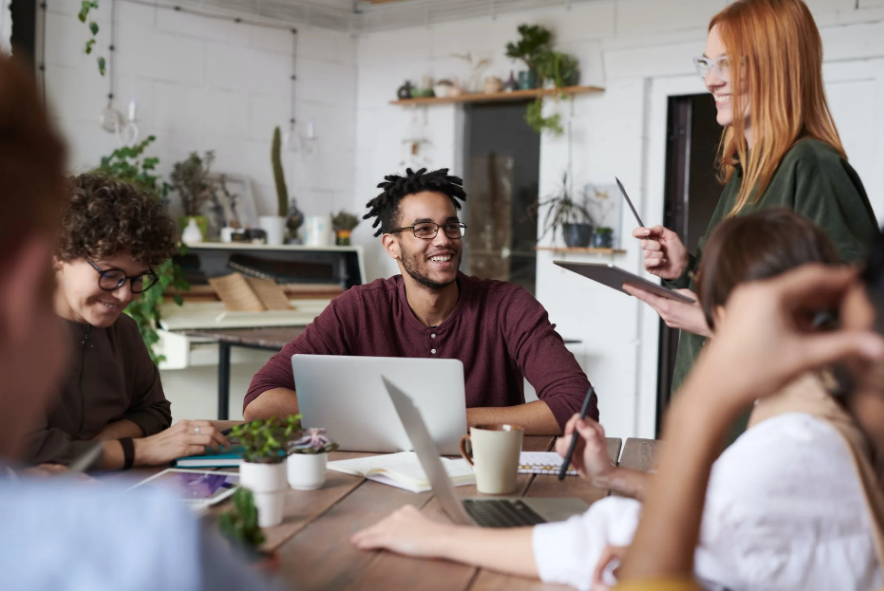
502 162
24 28
691 194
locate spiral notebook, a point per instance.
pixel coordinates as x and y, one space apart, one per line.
542 462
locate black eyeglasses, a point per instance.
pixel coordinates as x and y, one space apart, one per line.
113 279
428 230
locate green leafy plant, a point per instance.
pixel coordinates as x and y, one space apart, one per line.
560 68
343 221
128 164
604 231
313 442
535 119
533 40
87 6
190 179
562 209
282 191
266 441
240 524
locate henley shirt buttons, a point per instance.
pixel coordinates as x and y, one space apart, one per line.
433 351
432 336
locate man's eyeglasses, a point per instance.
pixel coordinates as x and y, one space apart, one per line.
113 279
720 65
428 230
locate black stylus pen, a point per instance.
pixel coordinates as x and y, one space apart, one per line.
583 410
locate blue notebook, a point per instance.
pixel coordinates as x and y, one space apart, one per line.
231 457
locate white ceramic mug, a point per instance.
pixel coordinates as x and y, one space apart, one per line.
493 451
318 231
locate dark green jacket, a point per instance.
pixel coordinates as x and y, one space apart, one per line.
812 179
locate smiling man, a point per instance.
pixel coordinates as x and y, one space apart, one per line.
432 310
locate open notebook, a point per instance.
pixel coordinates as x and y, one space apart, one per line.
403 470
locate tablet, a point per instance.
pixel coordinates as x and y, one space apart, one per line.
615 277
196 488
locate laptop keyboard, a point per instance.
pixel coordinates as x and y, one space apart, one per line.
501 513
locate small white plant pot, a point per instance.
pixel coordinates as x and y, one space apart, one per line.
268 485
274 226
307 471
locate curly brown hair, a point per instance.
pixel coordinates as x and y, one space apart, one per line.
105 217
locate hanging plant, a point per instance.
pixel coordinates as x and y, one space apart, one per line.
535 119
86 6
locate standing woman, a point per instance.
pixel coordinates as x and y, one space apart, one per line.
763 64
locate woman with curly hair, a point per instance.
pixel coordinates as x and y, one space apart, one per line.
111 237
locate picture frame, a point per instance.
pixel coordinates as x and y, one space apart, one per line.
231 203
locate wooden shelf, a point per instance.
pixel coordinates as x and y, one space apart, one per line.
611 251
516 95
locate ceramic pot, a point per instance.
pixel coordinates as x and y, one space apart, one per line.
342 238
604 240
202 224
577 235
492 85
268 485
307 471
274 226
527 79
318 230
404 91
191 234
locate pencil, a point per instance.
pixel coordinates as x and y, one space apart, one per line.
583 410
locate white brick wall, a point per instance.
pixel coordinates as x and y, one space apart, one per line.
208 84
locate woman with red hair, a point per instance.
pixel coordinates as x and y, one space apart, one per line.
780 147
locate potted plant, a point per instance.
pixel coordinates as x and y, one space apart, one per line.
534 39
557 68
573 217
190 179
308 457
603 237
275 225
239 525
263 469
343 224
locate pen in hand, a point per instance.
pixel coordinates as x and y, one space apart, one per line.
575 435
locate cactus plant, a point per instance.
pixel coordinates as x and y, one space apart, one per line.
282 192
240 524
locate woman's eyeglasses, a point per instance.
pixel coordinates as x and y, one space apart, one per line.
721 65
113 279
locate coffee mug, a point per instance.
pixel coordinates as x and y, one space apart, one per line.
493 451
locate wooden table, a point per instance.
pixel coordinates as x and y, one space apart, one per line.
268 339
315 551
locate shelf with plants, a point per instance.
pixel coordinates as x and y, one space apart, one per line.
515 95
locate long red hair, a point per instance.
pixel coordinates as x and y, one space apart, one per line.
775 47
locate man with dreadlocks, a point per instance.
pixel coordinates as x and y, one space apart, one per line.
432 310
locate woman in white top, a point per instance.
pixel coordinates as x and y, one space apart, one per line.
784 508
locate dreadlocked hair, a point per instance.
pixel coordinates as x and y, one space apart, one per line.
385 207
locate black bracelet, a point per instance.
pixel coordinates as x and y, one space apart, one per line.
128 452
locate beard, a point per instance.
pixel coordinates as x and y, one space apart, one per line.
411 262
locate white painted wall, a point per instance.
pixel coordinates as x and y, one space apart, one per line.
208 84
641 51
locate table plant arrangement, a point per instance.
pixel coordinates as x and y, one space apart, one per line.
308 458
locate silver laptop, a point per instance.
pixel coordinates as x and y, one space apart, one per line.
347 396
485 512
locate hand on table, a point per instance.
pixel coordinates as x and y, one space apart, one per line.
406 531
664 253
679 315
590 457
185 438
609 555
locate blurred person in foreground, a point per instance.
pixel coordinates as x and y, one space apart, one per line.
58 534
765 328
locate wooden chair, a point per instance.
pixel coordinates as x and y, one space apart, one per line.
639 454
